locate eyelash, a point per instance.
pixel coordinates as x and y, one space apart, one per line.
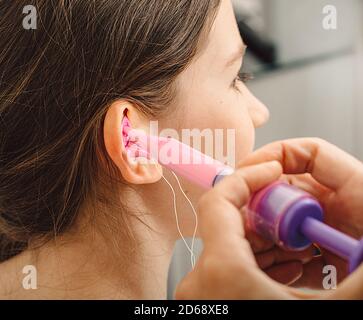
242 77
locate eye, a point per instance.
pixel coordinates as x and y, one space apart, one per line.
242 77
245 77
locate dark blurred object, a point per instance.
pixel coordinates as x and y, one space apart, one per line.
261 48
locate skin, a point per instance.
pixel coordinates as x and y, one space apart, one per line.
97 261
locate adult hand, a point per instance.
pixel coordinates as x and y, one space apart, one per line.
227 268
335 178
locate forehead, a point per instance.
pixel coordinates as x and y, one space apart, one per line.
224 38
210 64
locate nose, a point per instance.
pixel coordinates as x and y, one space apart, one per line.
259 113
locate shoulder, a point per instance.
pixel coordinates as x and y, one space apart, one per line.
14 283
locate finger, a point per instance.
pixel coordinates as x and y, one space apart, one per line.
220 220
307 183
258 244
312 276
187 288
277 256
329 165
286 273
350 288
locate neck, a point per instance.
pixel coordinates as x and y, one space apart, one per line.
98 259
79 270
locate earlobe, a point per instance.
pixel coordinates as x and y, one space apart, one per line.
132 170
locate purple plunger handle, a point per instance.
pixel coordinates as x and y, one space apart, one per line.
333 240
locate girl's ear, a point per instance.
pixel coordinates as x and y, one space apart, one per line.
132 170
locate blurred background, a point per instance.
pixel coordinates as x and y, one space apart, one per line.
310 77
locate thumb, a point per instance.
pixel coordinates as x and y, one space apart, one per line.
220 220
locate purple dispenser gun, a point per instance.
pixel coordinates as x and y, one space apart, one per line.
280 212
293 219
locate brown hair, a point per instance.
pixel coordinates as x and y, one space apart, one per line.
56 83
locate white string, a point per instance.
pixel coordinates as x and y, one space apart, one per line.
195 217
190 249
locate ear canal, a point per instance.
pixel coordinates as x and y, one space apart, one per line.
126 126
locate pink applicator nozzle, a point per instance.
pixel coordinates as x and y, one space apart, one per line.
176 156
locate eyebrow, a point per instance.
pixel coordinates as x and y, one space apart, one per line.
237 55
